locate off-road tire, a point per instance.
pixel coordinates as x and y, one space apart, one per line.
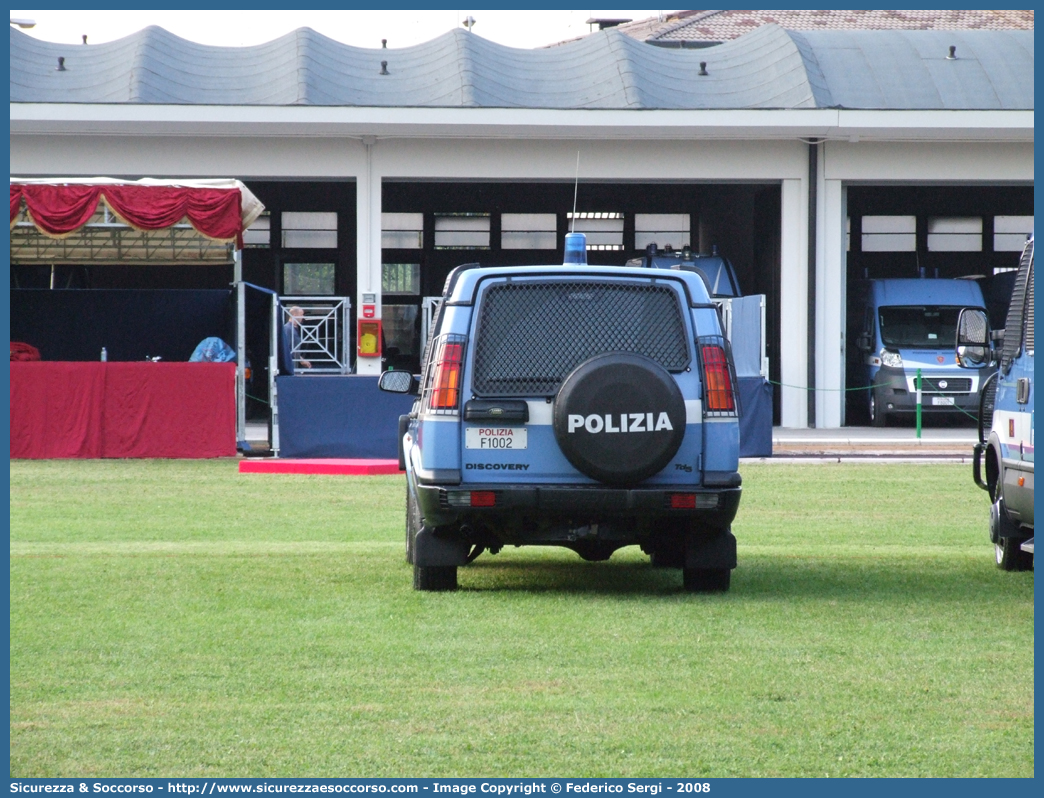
435 578
1010 556
706 580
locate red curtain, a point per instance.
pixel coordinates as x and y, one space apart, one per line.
94 409
214 212
16 201
59 210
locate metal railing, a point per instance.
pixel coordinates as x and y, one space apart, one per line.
320 336
105 238
429 307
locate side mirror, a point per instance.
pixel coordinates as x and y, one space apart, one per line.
973 338
399 382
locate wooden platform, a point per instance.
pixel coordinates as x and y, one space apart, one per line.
334 466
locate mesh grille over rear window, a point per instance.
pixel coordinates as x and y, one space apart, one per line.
531 335
1014 326
1028 343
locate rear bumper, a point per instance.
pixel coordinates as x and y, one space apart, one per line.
526 507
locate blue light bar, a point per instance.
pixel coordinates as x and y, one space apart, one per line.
575 249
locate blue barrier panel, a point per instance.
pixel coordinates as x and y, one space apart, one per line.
350 417
338 417
755 417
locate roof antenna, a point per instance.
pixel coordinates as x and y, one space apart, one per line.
576 188
574 248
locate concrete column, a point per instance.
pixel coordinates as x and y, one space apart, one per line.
368 246
831 270
793 301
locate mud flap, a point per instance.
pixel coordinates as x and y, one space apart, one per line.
404 425
432 551
711 551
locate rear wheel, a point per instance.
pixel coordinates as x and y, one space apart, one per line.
706 580
1007 540
1010 556
435 577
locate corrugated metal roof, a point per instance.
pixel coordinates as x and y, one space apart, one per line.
911 69
720 26
768 68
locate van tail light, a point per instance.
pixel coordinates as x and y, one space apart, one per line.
719 383
444 390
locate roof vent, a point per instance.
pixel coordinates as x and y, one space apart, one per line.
61 65
85 38
384 68
703 68
953 53
384 44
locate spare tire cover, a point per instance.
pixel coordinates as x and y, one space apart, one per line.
619 417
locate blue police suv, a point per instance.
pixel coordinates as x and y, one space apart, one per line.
1005 447
590 407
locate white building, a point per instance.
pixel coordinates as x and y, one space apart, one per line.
807 158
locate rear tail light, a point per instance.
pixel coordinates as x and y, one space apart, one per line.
692 501
445 387
719 391
471 498
683 501
483 498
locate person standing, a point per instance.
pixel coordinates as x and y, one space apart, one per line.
292 341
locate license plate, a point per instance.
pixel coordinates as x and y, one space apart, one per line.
506 438
942 400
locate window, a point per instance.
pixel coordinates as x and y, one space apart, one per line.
918 327
402 230
400 278
309 230
401 329
661 229
530 335
308 279
955 234
889 234
462 231
1010 232
604 231
259 234
528 231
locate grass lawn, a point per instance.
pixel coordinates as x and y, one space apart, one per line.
176 618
